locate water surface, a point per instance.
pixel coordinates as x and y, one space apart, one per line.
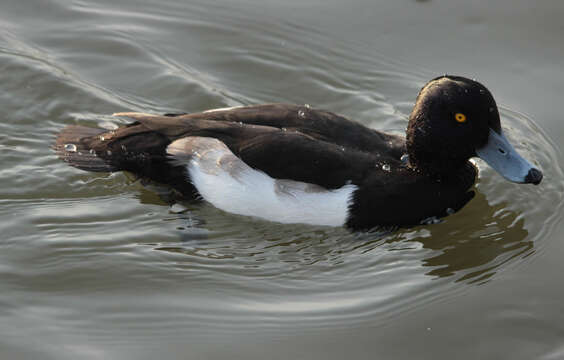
102 266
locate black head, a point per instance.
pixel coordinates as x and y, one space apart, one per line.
454 119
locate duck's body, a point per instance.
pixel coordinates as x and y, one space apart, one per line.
284 163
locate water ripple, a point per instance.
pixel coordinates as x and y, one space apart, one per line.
102 259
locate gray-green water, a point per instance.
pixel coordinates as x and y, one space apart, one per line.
97 266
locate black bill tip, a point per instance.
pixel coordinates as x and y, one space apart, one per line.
534 176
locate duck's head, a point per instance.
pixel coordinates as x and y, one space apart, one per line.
454 119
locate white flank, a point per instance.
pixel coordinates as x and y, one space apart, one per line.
253 193
229 184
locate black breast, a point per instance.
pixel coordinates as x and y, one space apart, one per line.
406 198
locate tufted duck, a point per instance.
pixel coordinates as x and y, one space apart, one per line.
295 164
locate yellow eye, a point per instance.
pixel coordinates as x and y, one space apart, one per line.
459 117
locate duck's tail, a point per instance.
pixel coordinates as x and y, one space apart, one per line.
73 145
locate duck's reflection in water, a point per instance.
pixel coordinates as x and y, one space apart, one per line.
472 244
484 238
469 246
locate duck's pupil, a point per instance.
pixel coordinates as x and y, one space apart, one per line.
460 117
501 151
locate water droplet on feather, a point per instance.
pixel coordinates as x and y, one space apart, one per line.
70 147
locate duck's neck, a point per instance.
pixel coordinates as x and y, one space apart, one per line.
436 167
432 153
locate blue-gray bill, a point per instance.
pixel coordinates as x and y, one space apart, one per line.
504 159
